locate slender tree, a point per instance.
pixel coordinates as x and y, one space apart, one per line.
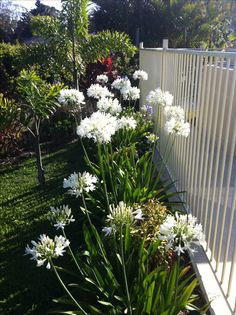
74 20
38 102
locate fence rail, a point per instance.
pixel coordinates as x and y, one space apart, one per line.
204 164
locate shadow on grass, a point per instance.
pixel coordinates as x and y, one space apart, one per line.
25 289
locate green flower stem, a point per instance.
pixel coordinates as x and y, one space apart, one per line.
103 175
72 254
156 132
151 162
124 270
76 121
86 210
158 124
110 174
85 153
166 155
164 160
66 290
129 106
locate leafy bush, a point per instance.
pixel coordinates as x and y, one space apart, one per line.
10 66
106 43
10 128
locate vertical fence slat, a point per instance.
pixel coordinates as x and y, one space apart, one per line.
212 150
207 149
199 134
230 229
192 133
232 270
189 113
223 104
202 157
193 166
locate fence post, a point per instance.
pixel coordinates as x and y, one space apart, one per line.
165 43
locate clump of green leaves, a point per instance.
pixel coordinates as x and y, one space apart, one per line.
102 44
8 112
10 128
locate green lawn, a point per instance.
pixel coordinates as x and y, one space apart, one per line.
24 288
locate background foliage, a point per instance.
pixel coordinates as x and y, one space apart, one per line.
186 23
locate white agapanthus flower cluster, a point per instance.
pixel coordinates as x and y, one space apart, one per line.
127 122
60 216
102 78
109 105
146 109
78 183
177 127
130 93
180 231
99 126
97 91
151 137
176 112
121 83
159 97
119 216
47 249
71 98
140 75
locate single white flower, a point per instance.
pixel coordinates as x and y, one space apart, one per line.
71 99
109 105
60 216
79 183
131 93
140 75
126 122
176 112
138 215
159 97
179 249
151 137
107 230
99 126
47 249
102 78
121 83
97 91
180 231
177 127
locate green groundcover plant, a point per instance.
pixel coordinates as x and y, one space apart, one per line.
132 257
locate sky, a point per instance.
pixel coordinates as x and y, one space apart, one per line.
29 4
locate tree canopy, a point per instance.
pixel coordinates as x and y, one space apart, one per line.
189 23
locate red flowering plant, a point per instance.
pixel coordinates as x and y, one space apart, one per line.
102 66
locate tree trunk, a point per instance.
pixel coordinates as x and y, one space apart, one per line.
41 177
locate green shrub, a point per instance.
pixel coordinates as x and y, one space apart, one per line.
106 43
10 66
10 128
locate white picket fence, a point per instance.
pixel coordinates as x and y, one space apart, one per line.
204 164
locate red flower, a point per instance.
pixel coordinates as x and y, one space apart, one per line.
109 64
